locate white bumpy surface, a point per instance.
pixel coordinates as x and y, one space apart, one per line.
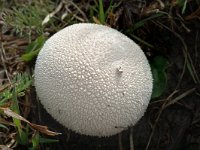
93 79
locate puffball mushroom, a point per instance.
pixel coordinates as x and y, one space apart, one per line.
93 79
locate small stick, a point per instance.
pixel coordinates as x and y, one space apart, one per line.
131 139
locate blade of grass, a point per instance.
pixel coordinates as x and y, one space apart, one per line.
188 60
142 22
142 41
101 12
3 127
109 8
184 7
22 136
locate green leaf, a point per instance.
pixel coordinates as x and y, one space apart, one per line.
33 49
30 56
158 66
35 141
38 43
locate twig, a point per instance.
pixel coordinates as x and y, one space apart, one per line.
188 61
169 101
81 12
155 124
180 97
131 139
120 141
50 15
3 61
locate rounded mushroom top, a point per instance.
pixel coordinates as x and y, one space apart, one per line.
93 79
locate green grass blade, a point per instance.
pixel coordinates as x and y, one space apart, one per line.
142 22
101 12
142 41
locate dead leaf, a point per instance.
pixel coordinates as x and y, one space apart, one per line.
155 6
11 113
3 147
193 15
3 121
42 129
96 20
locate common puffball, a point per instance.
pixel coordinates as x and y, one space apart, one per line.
93 79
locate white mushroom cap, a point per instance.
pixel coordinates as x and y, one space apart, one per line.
93 79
